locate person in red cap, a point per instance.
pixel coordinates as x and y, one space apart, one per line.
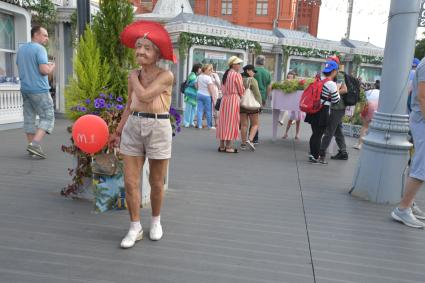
335 59
144 131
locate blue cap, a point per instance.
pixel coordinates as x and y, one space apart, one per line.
330 66
416 62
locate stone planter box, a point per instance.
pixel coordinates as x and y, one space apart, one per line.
283 102
351 130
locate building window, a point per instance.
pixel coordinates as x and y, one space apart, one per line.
7 32
262 7
305 68
369 74
7 46
226 7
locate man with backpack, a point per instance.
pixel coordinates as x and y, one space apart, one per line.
316 102
334 127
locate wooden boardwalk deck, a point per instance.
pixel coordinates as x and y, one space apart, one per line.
267 216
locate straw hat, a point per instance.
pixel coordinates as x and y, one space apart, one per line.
234 60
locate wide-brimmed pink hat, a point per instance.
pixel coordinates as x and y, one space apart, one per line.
153 31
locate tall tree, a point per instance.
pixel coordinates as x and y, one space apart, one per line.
43 13
420 48
108 24
92 75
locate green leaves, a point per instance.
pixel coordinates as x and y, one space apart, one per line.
420 48
92 73
43 12
108 24
290 86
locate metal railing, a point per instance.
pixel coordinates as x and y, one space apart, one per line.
11 104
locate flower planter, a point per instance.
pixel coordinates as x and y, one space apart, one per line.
284 102
351 130
86 190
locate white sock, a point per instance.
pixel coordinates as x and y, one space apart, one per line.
135 227
156 219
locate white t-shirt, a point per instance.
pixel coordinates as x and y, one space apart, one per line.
203 82
372 95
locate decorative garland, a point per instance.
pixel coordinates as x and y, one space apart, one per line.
323 54
187 40
307 52
367 59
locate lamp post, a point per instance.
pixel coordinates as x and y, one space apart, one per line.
83 15
384 156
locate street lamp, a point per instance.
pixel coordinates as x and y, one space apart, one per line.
384 155
83 15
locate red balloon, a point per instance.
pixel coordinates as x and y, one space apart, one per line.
90 133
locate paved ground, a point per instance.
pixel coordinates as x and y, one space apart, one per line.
267 216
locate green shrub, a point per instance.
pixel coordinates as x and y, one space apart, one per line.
91 76
109 22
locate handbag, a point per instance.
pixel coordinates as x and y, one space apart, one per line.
217 104
248 100
105 163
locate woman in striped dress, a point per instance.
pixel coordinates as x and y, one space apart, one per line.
233 89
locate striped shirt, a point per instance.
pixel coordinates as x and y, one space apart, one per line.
330 93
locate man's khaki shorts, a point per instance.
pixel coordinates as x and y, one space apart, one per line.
148 137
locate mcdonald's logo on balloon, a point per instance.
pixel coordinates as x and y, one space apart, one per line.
90 133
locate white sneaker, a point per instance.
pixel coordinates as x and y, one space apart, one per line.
357 146
131 238
156 232
250 145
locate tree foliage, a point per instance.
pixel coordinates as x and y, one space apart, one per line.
420 48
43 12
108 24
91 75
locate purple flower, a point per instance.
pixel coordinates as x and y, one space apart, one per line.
173 111
111 96
119 107
97 105
102 95
83 109
120 99
78 108
109 105
88 101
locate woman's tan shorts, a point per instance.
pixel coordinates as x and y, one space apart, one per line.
147 137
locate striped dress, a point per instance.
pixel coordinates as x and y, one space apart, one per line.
228 124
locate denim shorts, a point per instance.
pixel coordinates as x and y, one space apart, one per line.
417 127
40 104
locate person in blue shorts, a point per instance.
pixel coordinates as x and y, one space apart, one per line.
34 68
408 212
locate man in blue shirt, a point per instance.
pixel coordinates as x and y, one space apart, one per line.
407 212
33 68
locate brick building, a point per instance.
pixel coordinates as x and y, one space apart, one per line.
255 13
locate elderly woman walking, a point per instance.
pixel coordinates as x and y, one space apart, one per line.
144 131
233 90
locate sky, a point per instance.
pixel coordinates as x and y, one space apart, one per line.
369 21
